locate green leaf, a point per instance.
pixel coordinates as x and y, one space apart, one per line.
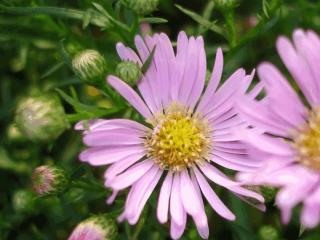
109 17
95 19
202 21
64 54
79 107
52 70
153 20
87 18
147 63
265 8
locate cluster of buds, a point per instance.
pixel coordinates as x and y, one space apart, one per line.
41 117
98 227
141 7
49 180
90 66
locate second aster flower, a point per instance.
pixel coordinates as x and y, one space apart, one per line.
185 137
291 147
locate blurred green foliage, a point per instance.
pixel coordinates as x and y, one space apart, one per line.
39 38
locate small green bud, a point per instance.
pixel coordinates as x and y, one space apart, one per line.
49 180
23 201
226 4
98 227
41 117
129 72
268 233
90 66
141 7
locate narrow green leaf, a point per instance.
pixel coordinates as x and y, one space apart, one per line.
87 18
153 20
265 8
64 54
109 17
201 20
79 107
52 70
96 18
147 63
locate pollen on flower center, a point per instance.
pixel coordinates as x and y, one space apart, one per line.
307 142
179 139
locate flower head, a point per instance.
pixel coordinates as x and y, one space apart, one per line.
41 117
186 134
48 180
291 156
99 227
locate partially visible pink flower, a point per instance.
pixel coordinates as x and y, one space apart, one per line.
186 136
291 146
100 227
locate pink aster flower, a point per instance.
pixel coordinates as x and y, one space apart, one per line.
186 135
292 153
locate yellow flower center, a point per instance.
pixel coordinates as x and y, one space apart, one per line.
307 142
179 139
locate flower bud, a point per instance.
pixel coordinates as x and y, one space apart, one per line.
98 227
49 180
41 117
23 201
90 66
129 72
141 7
268 233
226 4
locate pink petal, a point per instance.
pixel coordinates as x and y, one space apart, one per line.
259 115
105 155
214 81
216 176
212 198
164 197
198 84
121 165
111 198
298 68
127 53
130 176
113 137
176 230
176 209
130 95
227 92
189 198
143 189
